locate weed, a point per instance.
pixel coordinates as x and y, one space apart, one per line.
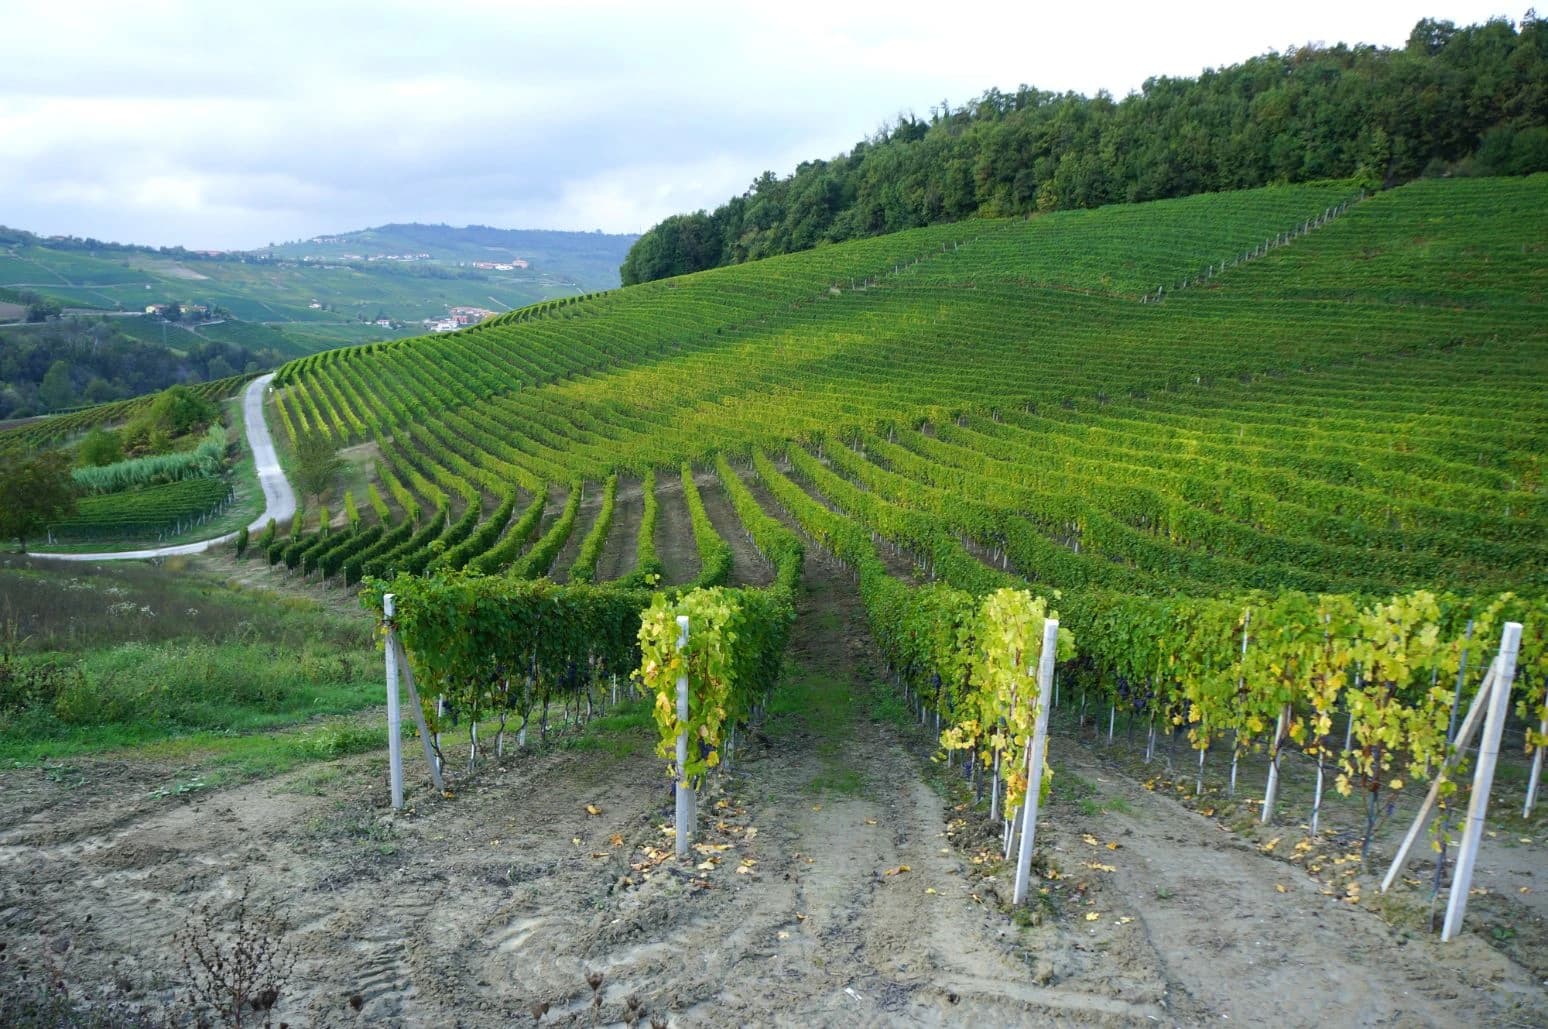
234 969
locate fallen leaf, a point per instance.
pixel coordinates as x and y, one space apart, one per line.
615 840
706 866
870 821
1526 889
1092 840
722 804
1125 920
930 889
743 870
816 807
1268 848
896 871
575 840
1280 887
783 935
1092 916
1098 866
800 916
1111 846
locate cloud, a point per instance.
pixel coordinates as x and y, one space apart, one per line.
233 125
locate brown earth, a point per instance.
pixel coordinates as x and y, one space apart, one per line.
843 879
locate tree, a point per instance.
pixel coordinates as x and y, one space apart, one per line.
55 390
100 447
35 490
317 465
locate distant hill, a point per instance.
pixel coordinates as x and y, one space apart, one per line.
253 310
589 259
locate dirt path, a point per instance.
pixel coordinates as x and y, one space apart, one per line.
674 532
748 567
585 517
841 878
619 551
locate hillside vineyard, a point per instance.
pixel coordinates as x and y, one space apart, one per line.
1305 401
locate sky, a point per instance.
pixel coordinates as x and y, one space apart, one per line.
230 126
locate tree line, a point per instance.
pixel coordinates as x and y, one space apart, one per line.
1452 101
78 361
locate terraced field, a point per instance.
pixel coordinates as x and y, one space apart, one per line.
1273 456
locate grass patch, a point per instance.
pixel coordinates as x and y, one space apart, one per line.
99 658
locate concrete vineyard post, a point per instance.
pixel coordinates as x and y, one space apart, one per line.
1035 755
1271 794
1463 738
1537 774
1483 779
394 715
684 798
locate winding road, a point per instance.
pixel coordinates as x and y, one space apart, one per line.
279 500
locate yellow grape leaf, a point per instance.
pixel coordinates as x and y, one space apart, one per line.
930 889
1111 846
783 935
1395 784
706 865
1280 887
592 809
1526 889
1092 840
743 870
615 840
1268 848
575 840
1125 920
897 871
722 804
1098 866
870 821
1207 812
749 862
1092 916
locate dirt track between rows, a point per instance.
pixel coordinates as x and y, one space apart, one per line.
799 910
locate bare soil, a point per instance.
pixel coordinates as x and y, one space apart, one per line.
674 533
842 879
619 552
748 567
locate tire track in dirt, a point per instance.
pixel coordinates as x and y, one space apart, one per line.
1243 937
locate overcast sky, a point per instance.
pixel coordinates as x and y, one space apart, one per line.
230 125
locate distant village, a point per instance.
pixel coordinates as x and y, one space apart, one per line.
455 318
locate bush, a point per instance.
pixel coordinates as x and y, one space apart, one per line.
241 541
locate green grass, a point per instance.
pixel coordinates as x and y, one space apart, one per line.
99 658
